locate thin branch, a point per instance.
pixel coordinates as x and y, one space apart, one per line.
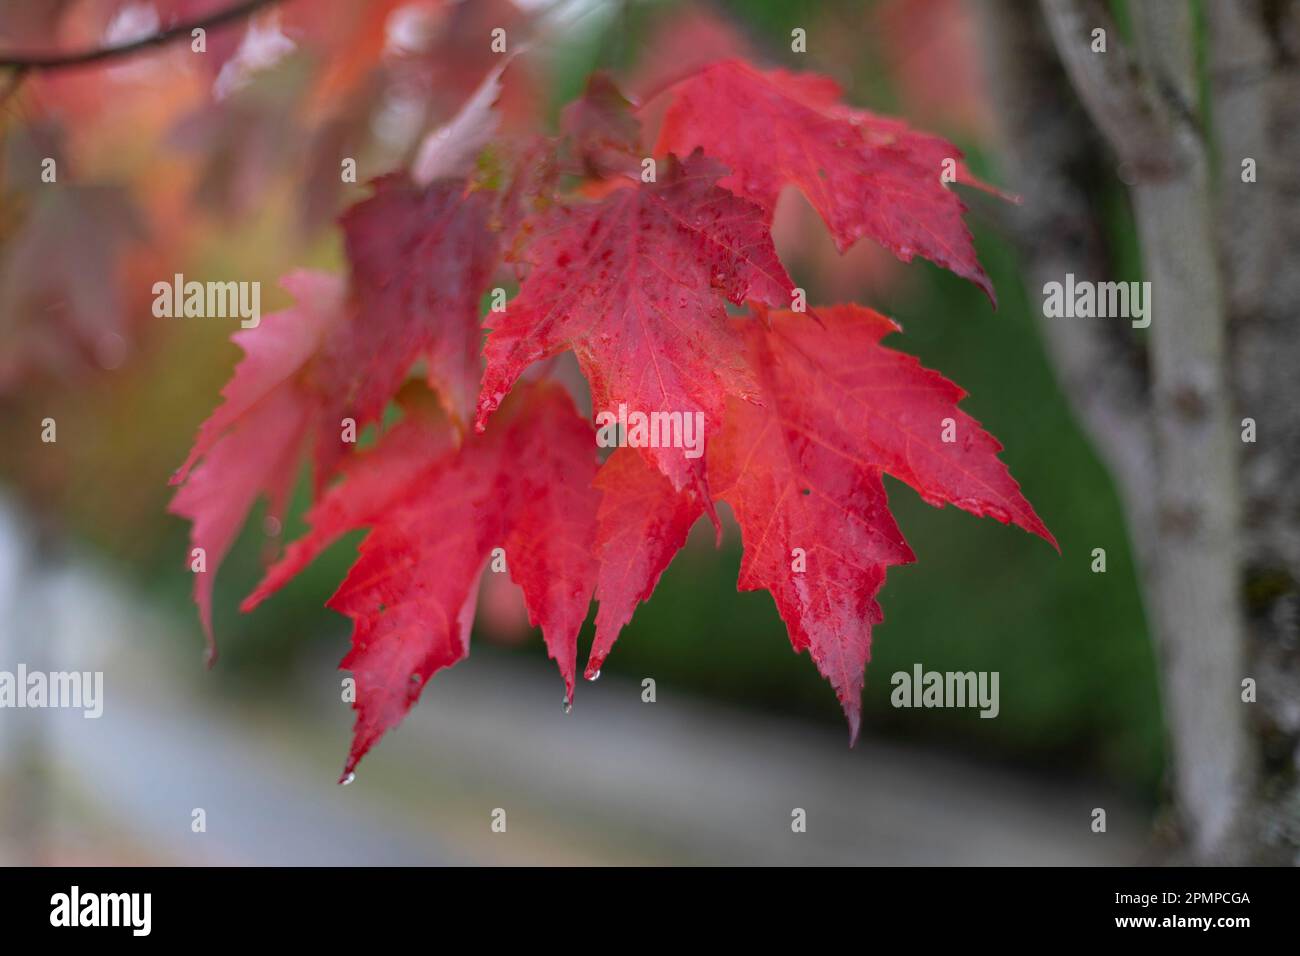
1051 151
1133 119
1250 238
54 61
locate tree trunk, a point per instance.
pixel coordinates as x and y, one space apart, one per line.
1175 449
1255 90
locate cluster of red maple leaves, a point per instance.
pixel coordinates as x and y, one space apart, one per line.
632 272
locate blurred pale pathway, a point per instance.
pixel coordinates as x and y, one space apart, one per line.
615 781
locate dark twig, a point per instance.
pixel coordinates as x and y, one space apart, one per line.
53 61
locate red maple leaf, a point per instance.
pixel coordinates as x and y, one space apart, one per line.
867 176
636 286
641 525
802 472
604 134
436 513
250 445
421 258
804 412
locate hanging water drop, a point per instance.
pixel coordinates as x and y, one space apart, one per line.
594 675
568 705
348 778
